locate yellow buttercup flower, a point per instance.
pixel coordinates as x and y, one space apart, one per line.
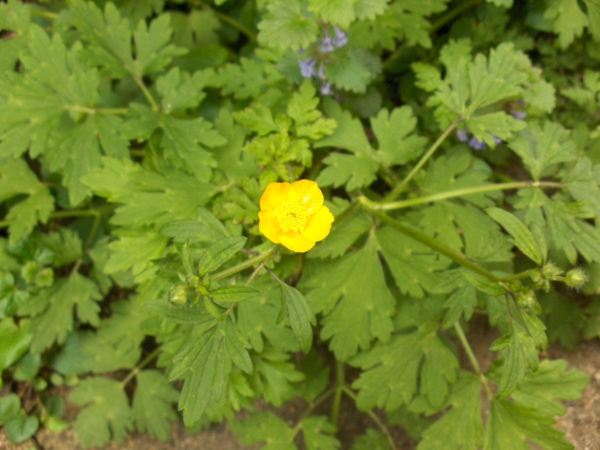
293 215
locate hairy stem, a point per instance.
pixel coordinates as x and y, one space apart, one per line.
147 360
243 266
340 380
147 93
400 187
469 351
434 244
230 21
466 191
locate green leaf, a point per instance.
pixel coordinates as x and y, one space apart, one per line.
65 246
204 364
483 283
106 414
511 425
552 381
568 20
16 340
343 234
110 38
540 147
353 69
286 25
136 253
582 184
352 294
56 320
206 228
308 120
274 376
299 314
461 427
219 253
337 12
15 179
388 382
152 404
593 11
317 432
233 294
414 266
370 440
522 237
250 77
261 427
568 232
519 351
236 347
10 405
397 145
22 427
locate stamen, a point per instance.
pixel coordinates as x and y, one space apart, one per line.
292 216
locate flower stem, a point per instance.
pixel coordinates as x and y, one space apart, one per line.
84 109
469 351
400 187
147 93
373 417
339 386
147 360
69 213
450 15
230 21
243 266
466 191
439 246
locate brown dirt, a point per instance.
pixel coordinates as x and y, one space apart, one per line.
581 423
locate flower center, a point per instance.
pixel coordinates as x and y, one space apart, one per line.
291 215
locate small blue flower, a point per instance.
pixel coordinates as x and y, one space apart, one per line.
326 44
326 89
307 67
476 144
340 38
517 110
462 135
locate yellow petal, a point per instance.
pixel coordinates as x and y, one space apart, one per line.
275 194
318 226
296 242
268 225
309 195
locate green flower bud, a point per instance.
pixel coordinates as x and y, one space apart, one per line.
528 301
576 278
551 272
178 295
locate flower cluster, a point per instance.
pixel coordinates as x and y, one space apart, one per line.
313 66
516 109
293 215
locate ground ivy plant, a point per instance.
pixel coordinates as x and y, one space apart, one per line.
456 144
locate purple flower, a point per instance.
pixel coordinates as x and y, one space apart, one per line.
326 89
326 44
517 109
476 144
340 38
496 139
307 67
462 135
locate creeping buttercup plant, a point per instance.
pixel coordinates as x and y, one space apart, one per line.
210 203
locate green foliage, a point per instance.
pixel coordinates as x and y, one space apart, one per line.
455 143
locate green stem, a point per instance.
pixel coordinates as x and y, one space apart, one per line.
69 213
400 187
518 276
310 409
374 418
93 232
45 14
466 191
340 381
450 15
469 351
243 266
147 360
231 21
440 247
147 93
84 109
